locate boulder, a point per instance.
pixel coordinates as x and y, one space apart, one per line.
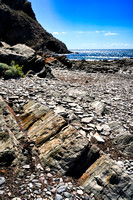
65 61
106 180
26 56
116 127
125 143
19 25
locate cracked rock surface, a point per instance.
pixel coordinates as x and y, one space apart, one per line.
78 116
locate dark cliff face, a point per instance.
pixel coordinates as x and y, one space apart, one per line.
19 25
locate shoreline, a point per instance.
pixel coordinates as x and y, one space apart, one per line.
100 54
123 58
119 66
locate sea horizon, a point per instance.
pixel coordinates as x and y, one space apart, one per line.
99 54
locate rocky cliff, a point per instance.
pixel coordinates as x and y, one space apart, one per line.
19 25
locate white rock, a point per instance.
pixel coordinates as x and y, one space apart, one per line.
59 109
98 106
86 120
80 192
83 133
26 166
120 163
98 138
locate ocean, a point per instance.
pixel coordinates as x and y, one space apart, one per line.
100 54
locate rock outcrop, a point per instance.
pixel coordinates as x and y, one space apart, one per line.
106 180
19 25
11 135
26 56
59 144
61 148
123 66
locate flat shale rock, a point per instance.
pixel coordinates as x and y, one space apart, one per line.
32 112
107 181
125 144
59 144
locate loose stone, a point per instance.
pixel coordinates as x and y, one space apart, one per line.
58 197
2 180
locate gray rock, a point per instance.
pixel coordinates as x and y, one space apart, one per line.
80 192
98 138
86 120
2 180
116 126
76 93
2 192
58 197
125 143
61 189
99 107
67 194
26 56
26 166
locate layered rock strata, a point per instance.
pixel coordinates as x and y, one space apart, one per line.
11 135
59 144
106 180
63 149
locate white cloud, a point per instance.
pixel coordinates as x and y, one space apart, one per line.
80 32
55 33
99 31
117 45
92 44
110 34
64 33
122 45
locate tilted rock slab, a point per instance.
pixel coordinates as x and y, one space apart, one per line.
59 144
107 180
11 135
63 149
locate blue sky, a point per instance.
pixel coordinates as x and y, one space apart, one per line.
88 24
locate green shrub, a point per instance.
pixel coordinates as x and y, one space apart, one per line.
17 69
3 66
9 74
12 71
